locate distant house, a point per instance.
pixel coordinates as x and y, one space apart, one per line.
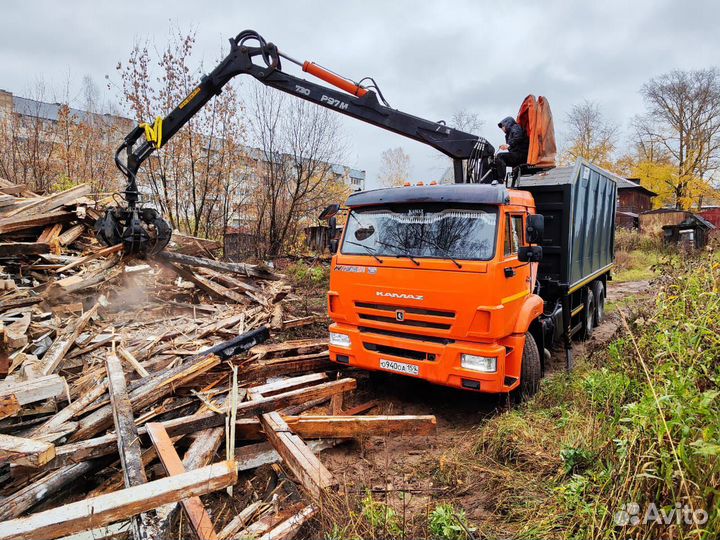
655 220
633 199
691 233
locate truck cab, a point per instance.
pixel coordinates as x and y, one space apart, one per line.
427 282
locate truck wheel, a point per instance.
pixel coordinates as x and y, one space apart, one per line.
530 371
588 315
599 292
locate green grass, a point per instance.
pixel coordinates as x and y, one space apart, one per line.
637 422
636 265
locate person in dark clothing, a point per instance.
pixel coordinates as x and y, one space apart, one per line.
515 150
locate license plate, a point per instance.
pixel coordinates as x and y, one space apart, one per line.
400 367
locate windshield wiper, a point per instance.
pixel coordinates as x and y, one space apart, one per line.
370 250
444 250
405 252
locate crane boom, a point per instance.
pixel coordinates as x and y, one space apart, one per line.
348 98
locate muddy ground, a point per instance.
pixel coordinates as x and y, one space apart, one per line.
403 470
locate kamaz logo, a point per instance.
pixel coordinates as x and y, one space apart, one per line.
400 296
334 102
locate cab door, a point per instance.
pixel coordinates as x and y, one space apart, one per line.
514 275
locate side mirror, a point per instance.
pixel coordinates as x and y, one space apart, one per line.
530 254
330 211
332 232
535 228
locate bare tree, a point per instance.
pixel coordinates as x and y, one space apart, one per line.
467 121
394 167
682 123
298 144
193 177
590 135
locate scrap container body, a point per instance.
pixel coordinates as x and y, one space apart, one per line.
578 203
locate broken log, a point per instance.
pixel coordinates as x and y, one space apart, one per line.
24 222
236 268
25 452
104 509
60 347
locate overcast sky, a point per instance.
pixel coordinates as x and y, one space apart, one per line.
430 59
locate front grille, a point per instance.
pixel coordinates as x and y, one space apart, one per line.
406 322
402 353
410 309
405 335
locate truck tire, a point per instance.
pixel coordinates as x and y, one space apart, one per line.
530 371
599 292
588 315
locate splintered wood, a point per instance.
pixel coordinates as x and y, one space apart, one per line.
116 377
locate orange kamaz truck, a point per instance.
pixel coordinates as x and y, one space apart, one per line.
466 285
471 285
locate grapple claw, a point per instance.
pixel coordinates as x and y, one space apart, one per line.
142 231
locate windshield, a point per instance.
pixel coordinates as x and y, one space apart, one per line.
422 231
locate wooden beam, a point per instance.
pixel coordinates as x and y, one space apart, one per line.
240 520
25 452
344 427
10 249
205 284
199 518
16 189
72 234
24 222
128 442
54 201
117 248
38 389
236 268
130 359
82 448
63 343
9 406
288 528
149 392
104 509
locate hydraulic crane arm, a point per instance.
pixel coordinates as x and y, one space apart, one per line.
350 99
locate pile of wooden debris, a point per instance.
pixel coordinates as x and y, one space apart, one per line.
112 369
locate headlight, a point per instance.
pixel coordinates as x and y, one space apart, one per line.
339 340
479 363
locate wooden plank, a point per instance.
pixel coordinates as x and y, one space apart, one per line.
25 452
205 284
72 234
9 406
236 268
256 455
344 427
16 189
92 256
54 201
128 442
104 509
130 359
24 222
240 520
193 506
82 448
10 249
38 389
63 343
287 529
285 385
304 465
149 392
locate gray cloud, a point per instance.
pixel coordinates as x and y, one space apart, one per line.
430 58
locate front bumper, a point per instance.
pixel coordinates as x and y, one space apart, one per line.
441 366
